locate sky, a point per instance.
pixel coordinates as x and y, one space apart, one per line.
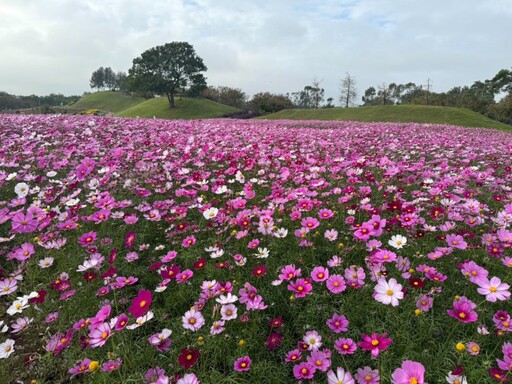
279 46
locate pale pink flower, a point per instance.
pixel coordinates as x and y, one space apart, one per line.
388 292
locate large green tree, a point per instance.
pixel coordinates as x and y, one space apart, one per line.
167 69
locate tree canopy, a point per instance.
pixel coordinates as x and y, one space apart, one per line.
168 69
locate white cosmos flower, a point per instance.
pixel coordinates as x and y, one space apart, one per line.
141 320
210 213
17 306
6 348
51 174
222 189
46 262
226 299
21 189
397 241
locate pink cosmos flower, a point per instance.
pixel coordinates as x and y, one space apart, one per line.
217 327
319 274
161 340
493 289
383 256
192 320
288 272
310 223
87 239
242 364
111 365
409 372
325 214
366 375
320 360
121 322
81 368
375 343
336 284
184 276
456 241
345 346
388 292
337 323
188 378
301 287
293 356
341 376
331 234
313 340
8 286
304 371
141 303
228 312
473 271
99 336
21 223
364 232
188 241
424 303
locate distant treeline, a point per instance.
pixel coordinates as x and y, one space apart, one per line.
14 103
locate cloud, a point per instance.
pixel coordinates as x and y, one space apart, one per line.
277 46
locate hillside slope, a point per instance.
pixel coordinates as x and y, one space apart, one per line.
394 113
107 101
185 109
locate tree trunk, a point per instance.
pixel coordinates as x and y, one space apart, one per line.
170 97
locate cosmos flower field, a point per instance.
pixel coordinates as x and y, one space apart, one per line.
227 251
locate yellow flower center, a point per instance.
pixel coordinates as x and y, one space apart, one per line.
143 303
462 315
413 380
375 342
104 335
493 289
389 292
189 357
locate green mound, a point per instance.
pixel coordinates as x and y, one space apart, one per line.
394 113
107 101
185 109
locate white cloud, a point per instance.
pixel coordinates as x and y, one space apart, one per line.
277 46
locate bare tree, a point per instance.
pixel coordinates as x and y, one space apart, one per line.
348 91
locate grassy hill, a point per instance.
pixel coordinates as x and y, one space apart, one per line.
185 109
394 113
107 101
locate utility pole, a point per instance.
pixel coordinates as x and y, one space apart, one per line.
429 86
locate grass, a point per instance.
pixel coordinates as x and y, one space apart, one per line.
186 108
107 101
394 113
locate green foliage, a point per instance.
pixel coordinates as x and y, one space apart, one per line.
168 69
226 95
265 102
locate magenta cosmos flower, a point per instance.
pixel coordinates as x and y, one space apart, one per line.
99 336
242 364
141 303
375 343
463 311
411 372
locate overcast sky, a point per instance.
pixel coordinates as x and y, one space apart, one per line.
53 46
